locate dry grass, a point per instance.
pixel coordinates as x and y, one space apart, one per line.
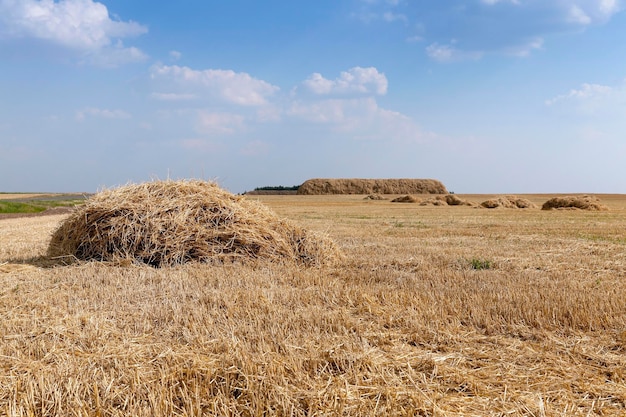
328 186
405 326
165 223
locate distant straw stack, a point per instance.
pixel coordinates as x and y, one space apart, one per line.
321 186
508 201
585 202
406 199
446 200
165 223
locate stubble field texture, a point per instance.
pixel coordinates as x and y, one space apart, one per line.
433 311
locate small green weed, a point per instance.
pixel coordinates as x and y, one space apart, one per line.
480 264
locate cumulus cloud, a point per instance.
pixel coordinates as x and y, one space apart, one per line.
392 17
450 53
359 118
234 87
101 113
525 48
172 96
586 92
345 105
488 27
82 25
577 15
580 12
356 80
379 10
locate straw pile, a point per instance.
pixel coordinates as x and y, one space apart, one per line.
164 223
374 197
406 199
371 186
508 201
446 200
585 202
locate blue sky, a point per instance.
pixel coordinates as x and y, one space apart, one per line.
488 96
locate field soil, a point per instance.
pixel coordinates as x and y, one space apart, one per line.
435 311
20 196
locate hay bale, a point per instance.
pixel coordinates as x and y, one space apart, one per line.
406 199
446 200
508 201
164 223
375 197
453 200
371 186
585 202
437 201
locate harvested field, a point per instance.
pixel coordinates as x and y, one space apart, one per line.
433 311
509 201
21 196
371 186
165 223
584 202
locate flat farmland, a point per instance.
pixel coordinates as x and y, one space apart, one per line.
433 311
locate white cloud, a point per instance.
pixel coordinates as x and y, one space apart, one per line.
450 53
610 7
580 12
356 80
219 123
269 113
234 87
392 17
489 27
377 10
345 106
102 113
525 49
324 111
577 15
492 2
172 96
115 56
359 118
586 92
175 55
82 25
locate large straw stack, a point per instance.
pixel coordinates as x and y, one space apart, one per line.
321 186
163 223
